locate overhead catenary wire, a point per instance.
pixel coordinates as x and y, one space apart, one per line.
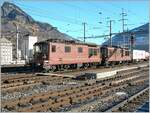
40 12
36 13
57 17
127 10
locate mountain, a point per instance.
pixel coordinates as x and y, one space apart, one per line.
141 34
11 13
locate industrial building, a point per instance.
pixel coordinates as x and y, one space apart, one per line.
5 51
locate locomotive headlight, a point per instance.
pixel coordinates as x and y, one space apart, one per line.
46 61
38 64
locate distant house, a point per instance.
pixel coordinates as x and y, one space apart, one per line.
5 51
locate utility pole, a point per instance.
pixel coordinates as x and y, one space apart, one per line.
17 37
84 29
17 31
110 31
17 43
123 14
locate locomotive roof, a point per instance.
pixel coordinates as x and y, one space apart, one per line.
114 47
66 41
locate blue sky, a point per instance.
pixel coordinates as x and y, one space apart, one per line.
68 15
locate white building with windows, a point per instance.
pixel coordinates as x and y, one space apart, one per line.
27 47
5 51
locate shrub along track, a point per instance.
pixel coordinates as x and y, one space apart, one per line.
55 100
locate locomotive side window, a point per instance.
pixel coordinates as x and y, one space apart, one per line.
90 52
95 52
53 48
80 49
67 49
126 53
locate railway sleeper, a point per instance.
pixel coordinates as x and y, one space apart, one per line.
36 107
11 85
56 106
11 105
25 100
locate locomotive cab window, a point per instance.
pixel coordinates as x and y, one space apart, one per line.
80 50
53 48
67 49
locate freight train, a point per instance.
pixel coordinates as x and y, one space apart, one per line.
54 54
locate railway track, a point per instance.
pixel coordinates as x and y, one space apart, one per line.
108 101
72 96
12 83
90 69
132 103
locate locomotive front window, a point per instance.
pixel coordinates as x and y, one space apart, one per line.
41 48
37 49
67 49
53 48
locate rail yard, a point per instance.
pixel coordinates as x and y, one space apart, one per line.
54 92
59 57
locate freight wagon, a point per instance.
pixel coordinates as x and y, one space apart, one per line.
139 55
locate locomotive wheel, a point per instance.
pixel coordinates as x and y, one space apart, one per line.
66 67
53 68
86 66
